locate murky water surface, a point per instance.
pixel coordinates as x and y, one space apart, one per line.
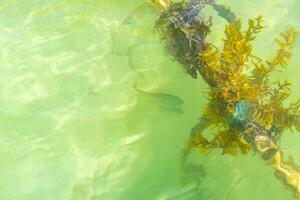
93 108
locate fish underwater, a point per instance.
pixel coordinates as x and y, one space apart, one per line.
162 101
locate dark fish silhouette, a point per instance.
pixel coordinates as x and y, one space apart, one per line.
225 12
165 102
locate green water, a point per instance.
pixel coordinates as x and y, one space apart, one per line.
93 108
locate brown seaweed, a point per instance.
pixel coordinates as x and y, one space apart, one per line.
248 110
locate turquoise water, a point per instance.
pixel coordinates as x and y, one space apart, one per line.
93 108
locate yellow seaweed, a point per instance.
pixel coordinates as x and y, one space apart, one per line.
226 68
246 107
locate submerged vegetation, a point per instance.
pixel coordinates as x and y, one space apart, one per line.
236 75
184 35
245 106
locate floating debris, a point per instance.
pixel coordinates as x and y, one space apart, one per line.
185 31
246 107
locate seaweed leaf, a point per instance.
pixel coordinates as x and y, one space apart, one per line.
285 44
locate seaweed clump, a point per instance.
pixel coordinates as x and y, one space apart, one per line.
185 31
242 91
245 107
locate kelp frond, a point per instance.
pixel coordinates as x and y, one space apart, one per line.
281 58
229 141
236 53
285 44
254 27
